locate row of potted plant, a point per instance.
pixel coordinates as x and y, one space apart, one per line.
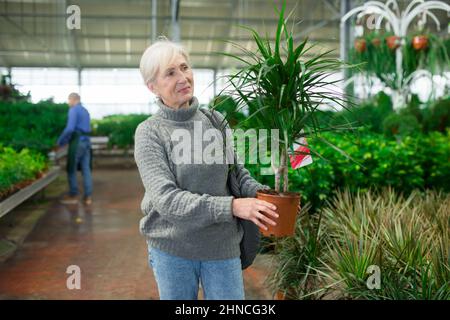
368 245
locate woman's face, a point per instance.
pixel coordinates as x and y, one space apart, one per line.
174 83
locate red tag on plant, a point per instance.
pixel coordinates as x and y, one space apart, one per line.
303 159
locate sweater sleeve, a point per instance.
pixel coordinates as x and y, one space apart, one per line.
173 203
248 185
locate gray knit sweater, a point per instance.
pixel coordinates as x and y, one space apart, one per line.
187 207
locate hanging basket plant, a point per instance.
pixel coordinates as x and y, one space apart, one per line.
393 42
421 51
425 52
376 42
420 42
360 45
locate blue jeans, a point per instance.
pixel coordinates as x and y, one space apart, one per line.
83 155
178 278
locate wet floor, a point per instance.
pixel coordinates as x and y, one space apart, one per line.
103 240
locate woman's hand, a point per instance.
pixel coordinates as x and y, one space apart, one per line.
251 208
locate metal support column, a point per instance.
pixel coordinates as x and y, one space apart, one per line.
345 38
154 17
214 82
345 30
175 26
79 80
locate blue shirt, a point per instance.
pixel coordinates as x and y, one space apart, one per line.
78 120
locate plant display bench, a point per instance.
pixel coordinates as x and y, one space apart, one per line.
20 196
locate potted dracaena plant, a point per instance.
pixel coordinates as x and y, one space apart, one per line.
286 85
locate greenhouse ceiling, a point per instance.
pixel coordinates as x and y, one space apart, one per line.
114 33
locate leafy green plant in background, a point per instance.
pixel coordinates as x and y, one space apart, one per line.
420 161
32 125
437 116
434 156
369 114
372 113
19 168
119 129
400 125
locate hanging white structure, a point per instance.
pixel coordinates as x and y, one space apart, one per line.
398 22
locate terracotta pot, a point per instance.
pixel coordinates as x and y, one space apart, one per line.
420 42
360 45
393 42
288 206
376 42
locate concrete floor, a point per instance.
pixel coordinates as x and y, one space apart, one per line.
103 240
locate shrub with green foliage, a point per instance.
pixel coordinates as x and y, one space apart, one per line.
119 128
400 125
370 114
437 116
18 168
376 115
34 126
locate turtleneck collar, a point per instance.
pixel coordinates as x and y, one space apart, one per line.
181 114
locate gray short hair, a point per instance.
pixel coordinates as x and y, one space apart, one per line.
157 56
75 96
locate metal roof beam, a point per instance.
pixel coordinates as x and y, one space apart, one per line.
145 37
63 52
205 19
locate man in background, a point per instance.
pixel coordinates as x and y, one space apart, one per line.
79 156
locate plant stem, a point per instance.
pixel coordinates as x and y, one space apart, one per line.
278 173
276 170
283 169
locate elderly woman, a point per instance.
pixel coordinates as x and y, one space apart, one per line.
190 214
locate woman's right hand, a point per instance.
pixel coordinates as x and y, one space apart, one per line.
251 208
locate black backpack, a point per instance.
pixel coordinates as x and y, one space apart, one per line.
251 239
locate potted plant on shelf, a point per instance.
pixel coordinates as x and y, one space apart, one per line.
286 83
